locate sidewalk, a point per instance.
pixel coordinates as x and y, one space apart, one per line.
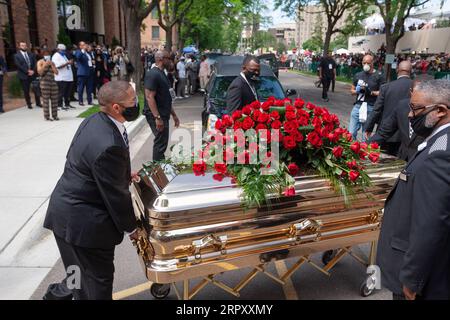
32 158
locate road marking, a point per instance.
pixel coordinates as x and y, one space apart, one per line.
132 291
288 288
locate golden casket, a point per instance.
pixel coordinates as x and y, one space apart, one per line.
196 227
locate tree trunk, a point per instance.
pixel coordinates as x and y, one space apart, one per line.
326 42
391 44
169 42
134 46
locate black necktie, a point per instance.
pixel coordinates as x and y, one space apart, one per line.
125 137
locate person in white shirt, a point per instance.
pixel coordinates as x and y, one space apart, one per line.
64 78
204 73
181 87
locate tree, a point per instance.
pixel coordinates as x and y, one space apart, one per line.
312 45
333 9
252 15
174 11
135 11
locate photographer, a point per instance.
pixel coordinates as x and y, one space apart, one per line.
366 87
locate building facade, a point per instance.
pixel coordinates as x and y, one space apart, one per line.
311 18
38 23
285 33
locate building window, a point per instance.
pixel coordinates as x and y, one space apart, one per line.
155 32
32 23
7 33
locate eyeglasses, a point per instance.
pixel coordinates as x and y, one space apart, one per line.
414 108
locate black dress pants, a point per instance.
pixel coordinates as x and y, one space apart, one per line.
96 270
326 86
26 84
161 138
64 91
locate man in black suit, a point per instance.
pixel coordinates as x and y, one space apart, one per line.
90 209
26 71
242 90
414 245
398 124
387 101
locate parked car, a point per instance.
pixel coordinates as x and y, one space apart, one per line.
271 59
226 69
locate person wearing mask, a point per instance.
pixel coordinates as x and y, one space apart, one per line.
414 244
366 86
90 209
84 65
203 73
26 72
390 94
158 104
242 91
120 61
64 77
49 88
181 86
3 72
327 72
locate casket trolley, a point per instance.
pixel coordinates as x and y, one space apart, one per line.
196 227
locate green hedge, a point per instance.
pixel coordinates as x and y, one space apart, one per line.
14 86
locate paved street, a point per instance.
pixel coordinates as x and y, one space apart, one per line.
307 282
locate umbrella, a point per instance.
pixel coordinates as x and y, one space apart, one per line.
190 50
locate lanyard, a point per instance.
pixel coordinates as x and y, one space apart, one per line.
251 87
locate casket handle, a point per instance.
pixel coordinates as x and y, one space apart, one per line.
306 225
219 242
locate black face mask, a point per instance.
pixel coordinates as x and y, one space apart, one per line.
251 76
132 113
418 125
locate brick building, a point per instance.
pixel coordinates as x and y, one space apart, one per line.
152 35
38 23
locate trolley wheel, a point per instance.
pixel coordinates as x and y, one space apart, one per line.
367 287
160 291
327 256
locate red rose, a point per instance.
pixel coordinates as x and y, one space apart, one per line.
374 145
318 112
289 192
333 137
255 115
299 103
220 168
310 106
237 125
261 126
218 125
355 147
293 169
337 152
218 177
353 175
315 140
247 110
317 123
276 124
297 136
374 156
362 155
363 146
289 142
275 115
227 121
199 168
348 136
255 105
266 105
263 118
352 164
290 116
247 123
237 114
290 126
290 109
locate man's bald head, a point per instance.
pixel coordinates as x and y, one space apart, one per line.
368 59
404 68
115 92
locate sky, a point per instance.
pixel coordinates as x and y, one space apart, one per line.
279 17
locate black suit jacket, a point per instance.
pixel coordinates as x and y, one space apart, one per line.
239 95
91 205
390 94
414 244
398 123
22 66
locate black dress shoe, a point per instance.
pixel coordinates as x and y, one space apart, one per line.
70 106
48 119
56 119
81 104
30 107
58 291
